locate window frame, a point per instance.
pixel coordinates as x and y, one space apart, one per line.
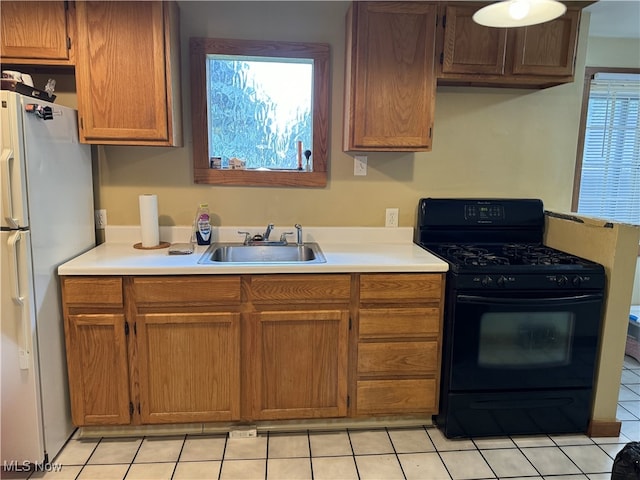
199 48
589 75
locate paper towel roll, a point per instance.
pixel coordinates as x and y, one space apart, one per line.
149 221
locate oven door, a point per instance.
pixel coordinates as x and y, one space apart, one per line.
524 341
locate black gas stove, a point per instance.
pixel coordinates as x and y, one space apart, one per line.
521 320
497 243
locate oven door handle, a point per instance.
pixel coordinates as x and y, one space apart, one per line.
528 301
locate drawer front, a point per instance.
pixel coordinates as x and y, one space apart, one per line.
396 396
187 290
398 358
93 291
301 288
409 322
401 287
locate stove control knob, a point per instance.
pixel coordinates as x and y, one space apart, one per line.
501 281
487 281
577 281
562 280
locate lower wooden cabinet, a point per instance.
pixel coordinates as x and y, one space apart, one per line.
96 332
189 367
300 364
385 397
398 344
195 349
297 343
98 371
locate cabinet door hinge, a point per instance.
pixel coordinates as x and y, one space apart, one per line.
135 328
349 322
126 328
138 409
68 43
348 401
130 409
441 58
444 21
429 132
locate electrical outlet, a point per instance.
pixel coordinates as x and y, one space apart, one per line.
391 219
101 218
243 432
360 165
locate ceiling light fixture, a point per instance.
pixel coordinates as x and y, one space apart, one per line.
519 13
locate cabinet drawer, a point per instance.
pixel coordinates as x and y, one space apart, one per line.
94 291
300 288
396 396
187 290
397 287
398 358
399 322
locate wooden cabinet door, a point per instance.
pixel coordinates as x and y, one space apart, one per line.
97 366
547 49
390 90
35 32
189 367
123 57
471 48
299 364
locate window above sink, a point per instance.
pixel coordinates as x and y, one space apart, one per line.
228 101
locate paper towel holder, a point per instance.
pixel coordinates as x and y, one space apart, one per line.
155 247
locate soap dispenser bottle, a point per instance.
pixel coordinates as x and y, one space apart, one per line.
203 225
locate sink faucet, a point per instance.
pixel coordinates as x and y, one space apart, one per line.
299 234
267 232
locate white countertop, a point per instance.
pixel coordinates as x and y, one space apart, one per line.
365 249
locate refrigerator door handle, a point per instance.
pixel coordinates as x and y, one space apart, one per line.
23 350
5 173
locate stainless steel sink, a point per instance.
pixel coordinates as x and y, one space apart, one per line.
241 253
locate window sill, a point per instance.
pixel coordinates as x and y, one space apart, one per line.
278 178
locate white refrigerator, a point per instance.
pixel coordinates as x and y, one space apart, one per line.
46 205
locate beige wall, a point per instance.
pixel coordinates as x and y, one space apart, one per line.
487 141
613 52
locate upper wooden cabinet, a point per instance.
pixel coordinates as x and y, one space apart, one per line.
127 73
37 33
390 81
537 56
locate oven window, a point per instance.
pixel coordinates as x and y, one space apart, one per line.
525 340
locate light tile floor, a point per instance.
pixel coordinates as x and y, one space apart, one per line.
385 454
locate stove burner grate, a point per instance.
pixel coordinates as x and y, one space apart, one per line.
505 254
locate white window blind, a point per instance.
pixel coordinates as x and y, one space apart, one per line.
610 178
